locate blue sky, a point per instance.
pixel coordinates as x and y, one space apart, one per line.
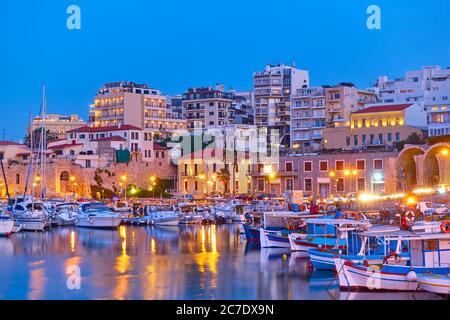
175 44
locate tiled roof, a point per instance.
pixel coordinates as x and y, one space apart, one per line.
66 145
113 138
10 143
105 129
384 108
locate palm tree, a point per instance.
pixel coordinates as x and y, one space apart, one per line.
224 176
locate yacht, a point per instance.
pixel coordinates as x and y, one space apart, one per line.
161 216
97 215
31 215
66 214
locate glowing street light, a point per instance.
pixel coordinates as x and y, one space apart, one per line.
444 152
332 174
72 178
124 179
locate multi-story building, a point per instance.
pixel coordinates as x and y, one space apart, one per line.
175 107
242 106
272 89
307 118
98 146
377 126
207 107
429 86
57 124
128 103
327 174
344 99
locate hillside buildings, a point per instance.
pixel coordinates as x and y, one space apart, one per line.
429 86
56 124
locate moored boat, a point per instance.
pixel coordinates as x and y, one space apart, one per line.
97 215
435 283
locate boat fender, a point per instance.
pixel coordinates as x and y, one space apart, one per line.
284 257
411 276
445 226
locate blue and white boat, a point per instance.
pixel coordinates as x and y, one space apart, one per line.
358 248
325 233
278 226
429 254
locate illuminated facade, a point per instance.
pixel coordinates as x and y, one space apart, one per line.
57 124
380 125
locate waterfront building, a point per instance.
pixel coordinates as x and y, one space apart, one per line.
429 86
307 118
98 147
56 124
325 174
222 165
378 126
342 100
207 107
272 89
128 103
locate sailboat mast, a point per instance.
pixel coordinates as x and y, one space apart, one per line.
43 142
30 167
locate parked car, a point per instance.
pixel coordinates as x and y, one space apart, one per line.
244 197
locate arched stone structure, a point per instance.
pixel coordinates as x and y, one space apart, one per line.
436 165
408 168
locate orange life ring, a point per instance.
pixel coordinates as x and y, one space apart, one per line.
445 227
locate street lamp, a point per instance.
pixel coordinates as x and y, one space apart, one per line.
124 179
444 152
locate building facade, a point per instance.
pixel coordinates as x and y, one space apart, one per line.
429 86
272 89
327 174
207 107
308 118
344 99
128 103
377 126
57 124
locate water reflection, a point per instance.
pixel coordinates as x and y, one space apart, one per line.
186 262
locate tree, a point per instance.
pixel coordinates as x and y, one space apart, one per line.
49 136
224 177
413 138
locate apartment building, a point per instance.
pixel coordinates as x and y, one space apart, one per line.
342 100
429 86
272 89
242 106
57 124
377 126
128 103
207 107
308 118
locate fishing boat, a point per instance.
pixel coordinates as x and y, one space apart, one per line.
97 215
429 254
190 214
161 216
276 234
66 214
31 215
231 210
359 248
322 233
435 283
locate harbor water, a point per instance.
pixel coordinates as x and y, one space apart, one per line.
155 263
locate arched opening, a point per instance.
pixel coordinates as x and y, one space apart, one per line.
432 167
64 180
406 168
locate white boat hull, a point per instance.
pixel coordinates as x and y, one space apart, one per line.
353 278
99 222
266 242
297 247
33 225
171 222
6 227
435 284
